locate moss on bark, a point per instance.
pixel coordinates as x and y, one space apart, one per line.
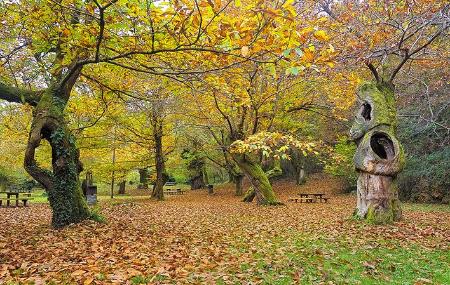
62 183
258 178
379 156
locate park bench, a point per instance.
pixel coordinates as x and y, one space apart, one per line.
170 183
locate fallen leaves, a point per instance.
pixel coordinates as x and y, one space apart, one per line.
198 239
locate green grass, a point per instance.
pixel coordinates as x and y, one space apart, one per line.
426 207
320 261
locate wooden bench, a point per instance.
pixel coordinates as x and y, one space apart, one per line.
301 199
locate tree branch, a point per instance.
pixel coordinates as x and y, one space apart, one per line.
18 95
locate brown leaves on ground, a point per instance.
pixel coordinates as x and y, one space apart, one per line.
192 238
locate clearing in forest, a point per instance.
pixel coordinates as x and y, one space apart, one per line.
200 239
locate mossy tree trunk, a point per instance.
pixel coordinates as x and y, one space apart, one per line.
262 188
379 155
62 182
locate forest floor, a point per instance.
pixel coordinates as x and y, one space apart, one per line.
200 239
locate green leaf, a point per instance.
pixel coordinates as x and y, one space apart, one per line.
287 52
299 51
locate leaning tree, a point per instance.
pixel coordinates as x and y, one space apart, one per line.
387 36
48 45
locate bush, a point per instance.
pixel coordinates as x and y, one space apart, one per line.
340 163
425 177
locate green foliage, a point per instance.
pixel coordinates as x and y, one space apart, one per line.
341 162
97 216
425 176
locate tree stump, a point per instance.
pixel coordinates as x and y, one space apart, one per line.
379 155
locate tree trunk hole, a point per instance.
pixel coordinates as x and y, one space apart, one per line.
366 111
382 145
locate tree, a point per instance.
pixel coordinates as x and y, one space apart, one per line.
385 36
62 40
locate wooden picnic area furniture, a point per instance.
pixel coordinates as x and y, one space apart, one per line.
173 191
15 196
301 199
309 198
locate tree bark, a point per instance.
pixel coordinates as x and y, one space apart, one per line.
197 182
263 189
239 181
161 177
379 155
122 187
300 178
62 184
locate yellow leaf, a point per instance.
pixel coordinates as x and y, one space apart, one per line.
321 35
244 51
237 3
88 281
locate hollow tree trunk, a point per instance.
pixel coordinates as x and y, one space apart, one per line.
379 155
62 184
262 188
158 192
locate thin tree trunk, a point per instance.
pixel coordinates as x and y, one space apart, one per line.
158 189
300 177
143 178
239 181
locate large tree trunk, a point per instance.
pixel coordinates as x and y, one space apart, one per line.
62 184
379 155
197 182
263 191
158 189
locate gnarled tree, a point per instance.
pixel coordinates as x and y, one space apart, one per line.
385 36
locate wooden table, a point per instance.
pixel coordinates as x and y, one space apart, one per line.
15 194
317 196
8 197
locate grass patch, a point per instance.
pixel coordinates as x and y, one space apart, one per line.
310 260
426 207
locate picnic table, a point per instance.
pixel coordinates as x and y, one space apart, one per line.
177 191
14 196
309 198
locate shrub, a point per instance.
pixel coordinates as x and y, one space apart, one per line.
340 163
